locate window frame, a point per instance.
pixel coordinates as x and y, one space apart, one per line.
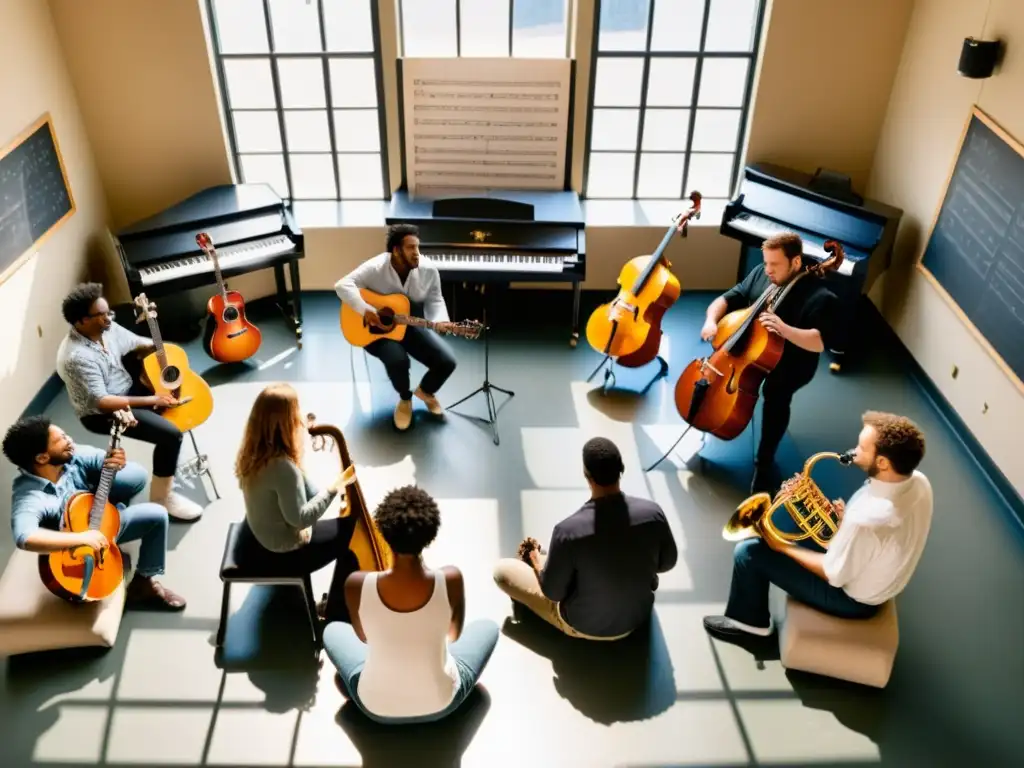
699 56
325 57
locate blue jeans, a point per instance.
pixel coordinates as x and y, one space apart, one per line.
145 522
471 653
756 566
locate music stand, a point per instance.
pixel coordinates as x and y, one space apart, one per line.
486 388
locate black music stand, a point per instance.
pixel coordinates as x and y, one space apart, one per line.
486 388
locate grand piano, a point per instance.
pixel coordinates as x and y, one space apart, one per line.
817 207
501 236
251 227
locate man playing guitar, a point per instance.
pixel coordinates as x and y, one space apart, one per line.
91 363
804 320
52 468
401 269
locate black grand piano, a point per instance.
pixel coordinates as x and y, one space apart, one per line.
501 236
819 207
251 227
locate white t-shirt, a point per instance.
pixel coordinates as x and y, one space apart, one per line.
880 539
422 285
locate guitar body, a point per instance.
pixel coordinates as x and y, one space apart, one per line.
63 572
229 336
355 329
633 323
180 381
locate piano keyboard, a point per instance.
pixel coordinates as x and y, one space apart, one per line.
501 262
755 225
230 257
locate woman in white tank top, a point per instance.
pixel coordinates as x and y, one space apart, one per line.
406 656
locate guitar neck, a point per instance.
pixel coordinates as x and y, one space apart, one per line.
419 322
158 340
99 501
216 271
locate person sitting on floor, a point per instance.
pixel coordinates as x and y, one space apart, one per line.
599 576
51 469
873 554
283 509
406 656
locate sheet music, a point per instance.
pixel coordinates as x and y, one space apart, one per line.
473 125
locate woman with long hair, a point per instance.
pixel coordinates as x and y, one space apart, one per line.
283 509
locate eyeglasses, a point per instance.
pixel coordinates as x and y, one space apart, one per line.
109 313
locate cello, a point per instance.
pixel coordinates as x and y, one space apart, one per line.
717 394
628 328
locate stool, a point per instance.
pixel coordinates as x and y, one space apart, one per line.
857 650
241 563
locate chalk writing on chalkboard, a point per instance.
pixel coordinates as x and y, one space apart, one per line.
976 250
35 197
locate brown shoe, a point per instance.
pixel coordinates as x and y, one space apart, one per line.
149 595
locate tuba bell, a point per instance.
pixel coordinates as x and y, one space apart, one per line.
811 511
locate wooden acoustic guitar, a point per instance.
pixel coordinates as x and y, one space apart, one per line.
229 336
394 312
367 543
166 372
81 574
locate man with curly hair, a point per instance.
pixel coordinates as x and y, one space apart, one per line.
91 361
870 560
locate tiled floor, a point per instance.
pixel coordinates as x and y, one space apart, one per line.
670 697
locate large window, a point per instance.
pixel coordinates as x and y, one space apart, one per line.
301 81
484 28
671 87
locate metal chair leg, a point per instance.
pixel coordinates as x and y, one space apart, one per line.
314 619
225 604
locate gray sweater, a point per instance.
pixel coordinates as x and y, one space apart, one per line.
280 502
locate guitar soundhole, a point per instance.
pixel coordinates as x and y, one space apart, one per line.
171 376
230 314
387 319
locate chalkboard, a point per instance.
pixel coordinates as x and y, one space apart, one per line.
975 254
35 197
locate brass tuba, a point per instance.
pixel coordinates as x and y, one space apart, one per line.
801 498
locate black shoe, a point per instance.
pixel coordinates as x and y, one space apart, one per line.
767 479
763 647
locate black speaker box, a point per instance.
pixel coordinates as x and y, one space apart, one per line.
978 58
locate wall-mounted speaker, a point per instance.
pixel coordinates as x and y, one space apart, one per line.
978 57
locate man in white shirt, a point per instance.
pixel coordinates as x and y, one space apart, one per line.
401 269
882 533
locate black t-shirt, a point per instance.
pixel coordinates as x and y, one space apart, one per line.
808 305
603 562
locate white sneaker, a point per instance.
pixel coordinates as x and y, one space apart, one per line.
403 414
432 405
180 507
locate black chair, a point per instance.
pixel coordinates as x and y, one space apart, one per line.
241 563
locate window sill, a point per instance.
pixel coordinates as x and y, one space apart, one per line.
332 214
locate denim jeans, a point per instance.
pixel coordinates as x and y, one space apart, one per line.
471 652
145 522
756 566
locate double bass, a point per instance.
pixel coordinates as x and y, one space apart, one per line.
717 394
628 328
367 543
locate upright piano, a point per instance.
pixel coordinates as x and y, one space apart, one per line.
774 199
501 237
251 228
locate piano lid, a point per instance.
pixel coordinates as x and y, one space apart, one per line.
554 207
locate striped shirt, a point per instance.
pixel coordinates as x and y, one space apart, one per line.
91 370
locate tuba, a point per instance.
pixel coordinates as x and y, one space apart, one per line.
811 511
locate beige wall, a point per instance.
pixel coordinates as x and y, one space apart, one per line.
928 108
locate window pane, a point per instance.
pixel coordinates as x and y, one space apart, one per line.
623 25
361 177
614 129
661 175
357 130
716 130
353 83
483 25
666 129
538 29
428 28
313 177
722 83
670 82
302 83
265 169
710 175
617 82
611 174
677 25
248 84
731 25
307 131
296 26
348 25
241 26
257 131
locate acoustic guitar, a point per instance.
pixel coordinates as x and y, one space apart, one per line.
394 312
229 336
81 574
367 543
166 372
